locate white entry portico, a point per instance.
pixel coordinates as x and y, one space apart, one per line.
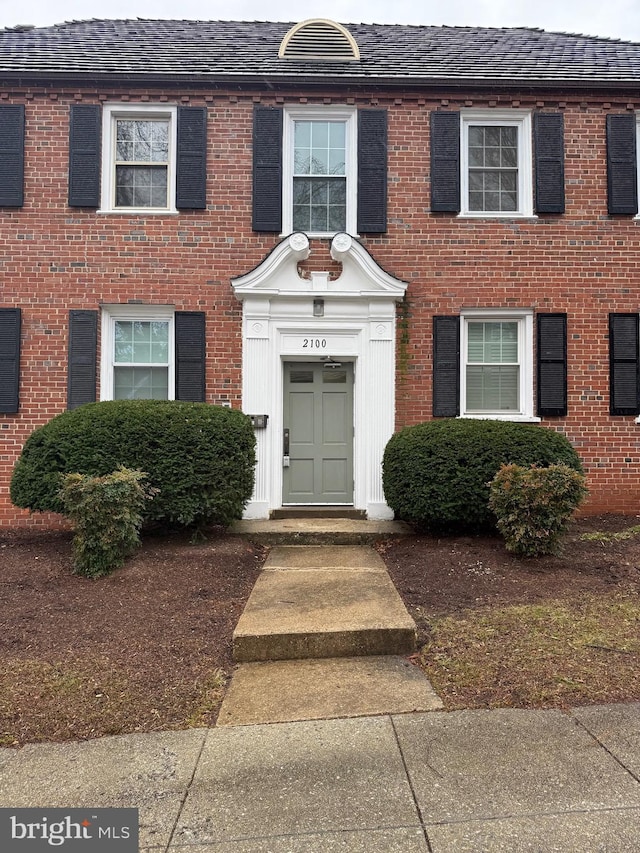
288 317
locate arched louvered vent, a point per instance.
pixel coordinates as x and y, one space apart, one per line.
319 39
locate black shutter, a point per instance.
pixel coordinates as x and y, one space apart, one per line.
11 155
624 364
84 155
81 370
445 162
267 169
552 365
622 187
191 165
372 171
446 367
9 359
190 356
548 147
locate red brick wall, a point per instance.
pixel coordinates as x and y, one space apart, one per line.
54 258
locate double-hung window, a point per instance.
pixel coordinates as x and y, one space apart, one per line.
139 145
137 353
496 172
319 192
497 364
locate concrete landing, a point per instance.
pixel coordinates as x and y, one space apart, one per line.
323 602
318 531
293 690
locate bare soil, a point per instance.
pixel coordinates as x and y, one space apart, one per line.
149 647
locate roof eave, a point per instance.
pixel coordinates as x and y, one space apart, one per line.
273 81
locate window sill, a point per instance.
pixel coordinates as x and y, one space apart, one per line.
499 216
138 211
516 418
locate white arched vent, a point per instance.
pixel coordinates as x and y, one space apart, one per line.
319 39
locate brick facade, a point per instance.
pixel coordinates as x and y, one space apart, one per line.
584 262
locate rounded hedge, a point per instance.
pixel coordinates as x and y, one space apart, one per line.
436 475
201 458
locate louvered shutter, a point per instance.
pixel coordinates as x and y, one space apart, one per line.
372 171
9 360
81 369
445 162
267 169
548 147
624 364
190 356
191 161
446 367
11 155
84 155
552 365
622 185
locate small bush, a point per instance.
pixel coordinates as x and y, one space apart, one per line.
533 506
436 475
107 516
201 458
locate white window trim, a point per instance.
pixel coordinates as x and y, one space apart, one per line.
111 112
320 113
147 313
515 118
524 318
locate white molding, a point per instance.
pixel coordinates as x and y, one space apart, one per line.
359 323
147 313
110 112
320 113
524 318
490 117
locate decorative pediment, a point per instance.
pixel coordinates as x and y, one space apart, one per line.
278 273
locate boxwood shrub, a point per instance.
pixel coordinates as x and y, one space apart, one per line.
200 458
436 475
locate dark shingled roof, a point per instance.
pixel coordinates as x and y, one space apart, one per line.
210 51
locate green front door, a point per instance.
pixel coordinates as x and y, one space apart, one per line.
318 433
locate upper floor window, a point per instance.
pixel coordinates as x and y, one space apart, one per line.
319 188
139 162
496 169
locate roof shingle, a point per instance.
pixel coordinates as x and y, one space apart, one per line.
394 53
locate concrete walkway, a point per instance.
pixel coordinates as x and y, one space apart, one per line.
461 782
324 634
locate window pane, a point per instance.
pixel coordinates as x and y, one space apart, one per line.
492 168
319 134
141 342
142 141
492 388
492 342
141 383
319 205
141 186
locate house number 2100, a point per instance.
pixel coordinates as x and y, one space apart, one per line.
314 343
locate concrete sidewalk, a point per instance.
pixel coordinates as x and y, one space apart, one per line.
467 782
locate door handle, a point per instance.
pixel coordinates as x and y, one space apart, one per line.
285 442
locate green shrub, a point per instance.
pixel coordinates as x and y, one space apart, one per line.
107 516
533 506
436 475
201 458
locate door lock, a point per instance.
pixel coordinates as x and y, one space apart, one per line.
286 459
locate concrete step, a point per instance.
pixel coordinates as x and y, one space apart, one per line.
323 602
326 512
318 531
291 690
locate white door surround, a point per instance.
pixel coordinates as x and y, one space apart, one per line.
290 318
